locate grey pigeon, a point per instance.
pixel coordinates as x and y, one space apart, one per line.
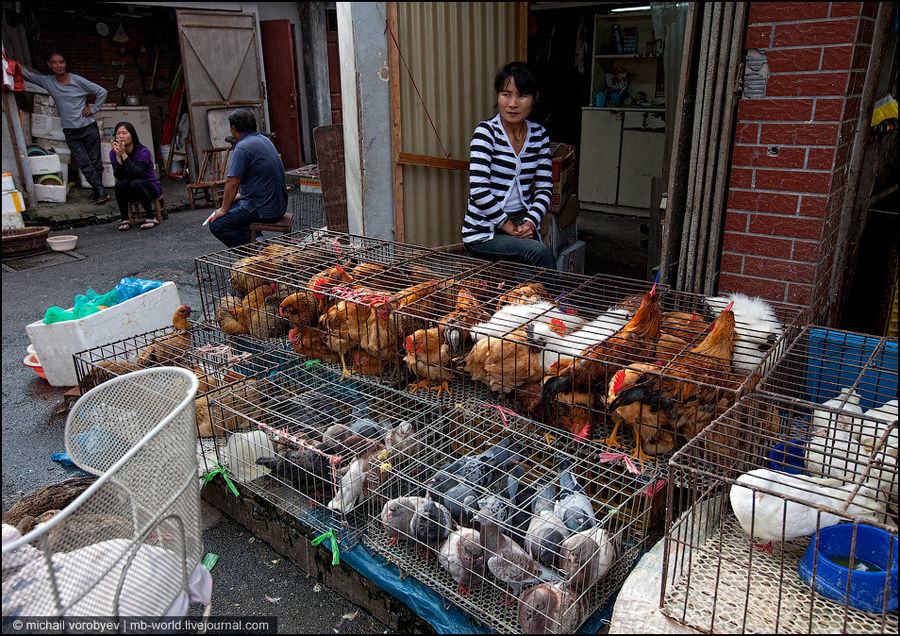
402 441
396 515
588 555
472 469
509 563
430 524
304 469
544 538
551 608
463 557
499 506
573 506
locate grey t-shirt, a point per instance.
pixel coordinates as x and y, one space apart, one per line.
70 98
263 186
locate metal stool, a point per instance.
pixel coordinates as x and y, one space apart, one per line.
135 209
282 225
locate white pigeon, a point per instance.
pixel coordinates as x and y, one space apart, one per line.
588 555
874 424
462 555
756 328
773 518
833 449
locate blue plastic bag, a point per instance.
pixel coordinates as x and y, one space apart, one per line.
131 287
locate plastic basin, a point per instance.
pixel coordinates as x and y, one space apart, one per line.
63 242
866 589
32 361
790 460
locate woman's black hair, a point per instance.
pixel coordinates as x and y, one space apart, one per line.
522 75
130 128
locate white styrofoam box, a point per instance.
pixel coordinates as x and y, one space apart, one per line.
59 147
13 202
51 193
56 343
44 105
47 126
571 259
8 184
11 219
105 148
109 180
46 164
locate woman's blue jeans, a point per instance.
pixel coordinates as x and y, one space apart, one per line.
504 247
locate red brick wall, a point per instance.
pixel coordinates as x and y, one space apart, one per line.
782 211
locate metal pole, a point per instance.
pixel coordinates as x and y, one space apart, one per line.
839 282
713 257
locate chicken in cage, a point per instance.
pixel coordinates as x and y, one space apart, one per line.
326 443
218 360
510 526
795 534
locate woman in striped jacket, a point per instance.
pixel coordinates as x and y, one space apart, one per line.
510 178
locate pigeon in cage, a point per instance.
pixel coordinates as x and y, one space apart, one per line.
546 532
757 328
472 469
396 515
588 555
356 482
499 504
551 608
309 413
430 524
573 507
462 500
774 518
509 562
403 441
833 449
304 469
462 555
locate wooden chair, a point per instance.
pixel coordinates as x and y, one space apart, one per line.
211 176
136 211
282 225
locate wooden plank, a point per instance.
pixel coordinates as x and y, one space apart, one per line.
410 159
522 31
396 129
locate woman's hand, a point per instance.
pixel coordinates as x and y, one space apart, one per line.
508 228
119 149
526 230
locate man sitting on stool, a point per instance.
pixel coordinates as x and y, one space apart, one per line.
255 187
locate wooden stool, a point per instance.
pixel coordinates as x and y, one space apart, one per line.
282 225
135 209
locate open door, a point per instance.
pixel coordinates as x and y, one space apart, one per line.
279 62
220 55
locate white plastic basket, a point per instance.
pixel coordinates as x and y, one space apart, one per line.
129 543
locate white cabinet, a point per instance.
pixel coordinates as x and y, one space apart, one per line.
621 150
138 116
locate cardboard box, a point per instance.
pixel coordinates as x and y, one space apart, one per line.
571 259
563 172
560 230
45 164
56 343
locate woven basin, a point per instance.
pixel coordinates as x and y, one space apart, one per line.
24 240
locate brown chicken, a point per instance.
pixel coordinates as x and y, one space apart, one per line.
226 317
429 357
647 421
687 327
309 342
524 294
362 362
384 331
261 312
322 284
694 388
169 349
300 309
466 314
106 370
636 341
573 412
252 271
508 362
345 322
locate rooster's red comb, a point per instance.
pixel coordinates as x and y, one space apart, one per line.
618 380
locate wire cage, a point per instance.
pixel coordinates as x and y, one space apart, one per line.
781 497
317 443
217 359
308 208
551 343
438 527
129 543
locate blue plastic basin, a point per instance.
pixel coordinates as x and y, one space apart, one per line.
790 462
867 589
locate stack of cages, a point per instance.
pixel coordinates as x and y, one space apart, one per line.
600 358
219 361
330 294
318 444
511 524
306 204
791 499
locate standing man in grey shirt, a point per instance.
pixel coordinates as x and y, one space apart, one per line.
70 92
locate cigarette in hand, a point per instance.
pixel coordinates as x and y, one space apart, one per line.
209 218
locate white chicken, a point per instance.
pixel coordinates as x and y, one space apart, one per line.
833 449
756 328
771 517
883 473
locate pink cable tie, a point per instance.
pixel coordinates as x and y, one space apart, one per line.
502 411
611 457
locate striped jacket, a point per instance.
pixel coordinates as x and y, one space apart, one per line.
493 168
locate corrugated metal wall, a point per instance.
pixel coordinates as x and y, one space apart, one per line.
453 51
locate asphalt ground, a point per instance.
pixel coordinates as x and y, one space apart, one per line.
250 578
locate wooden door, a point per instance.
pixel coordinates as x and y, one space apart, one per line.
281 89
334 76
220 56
